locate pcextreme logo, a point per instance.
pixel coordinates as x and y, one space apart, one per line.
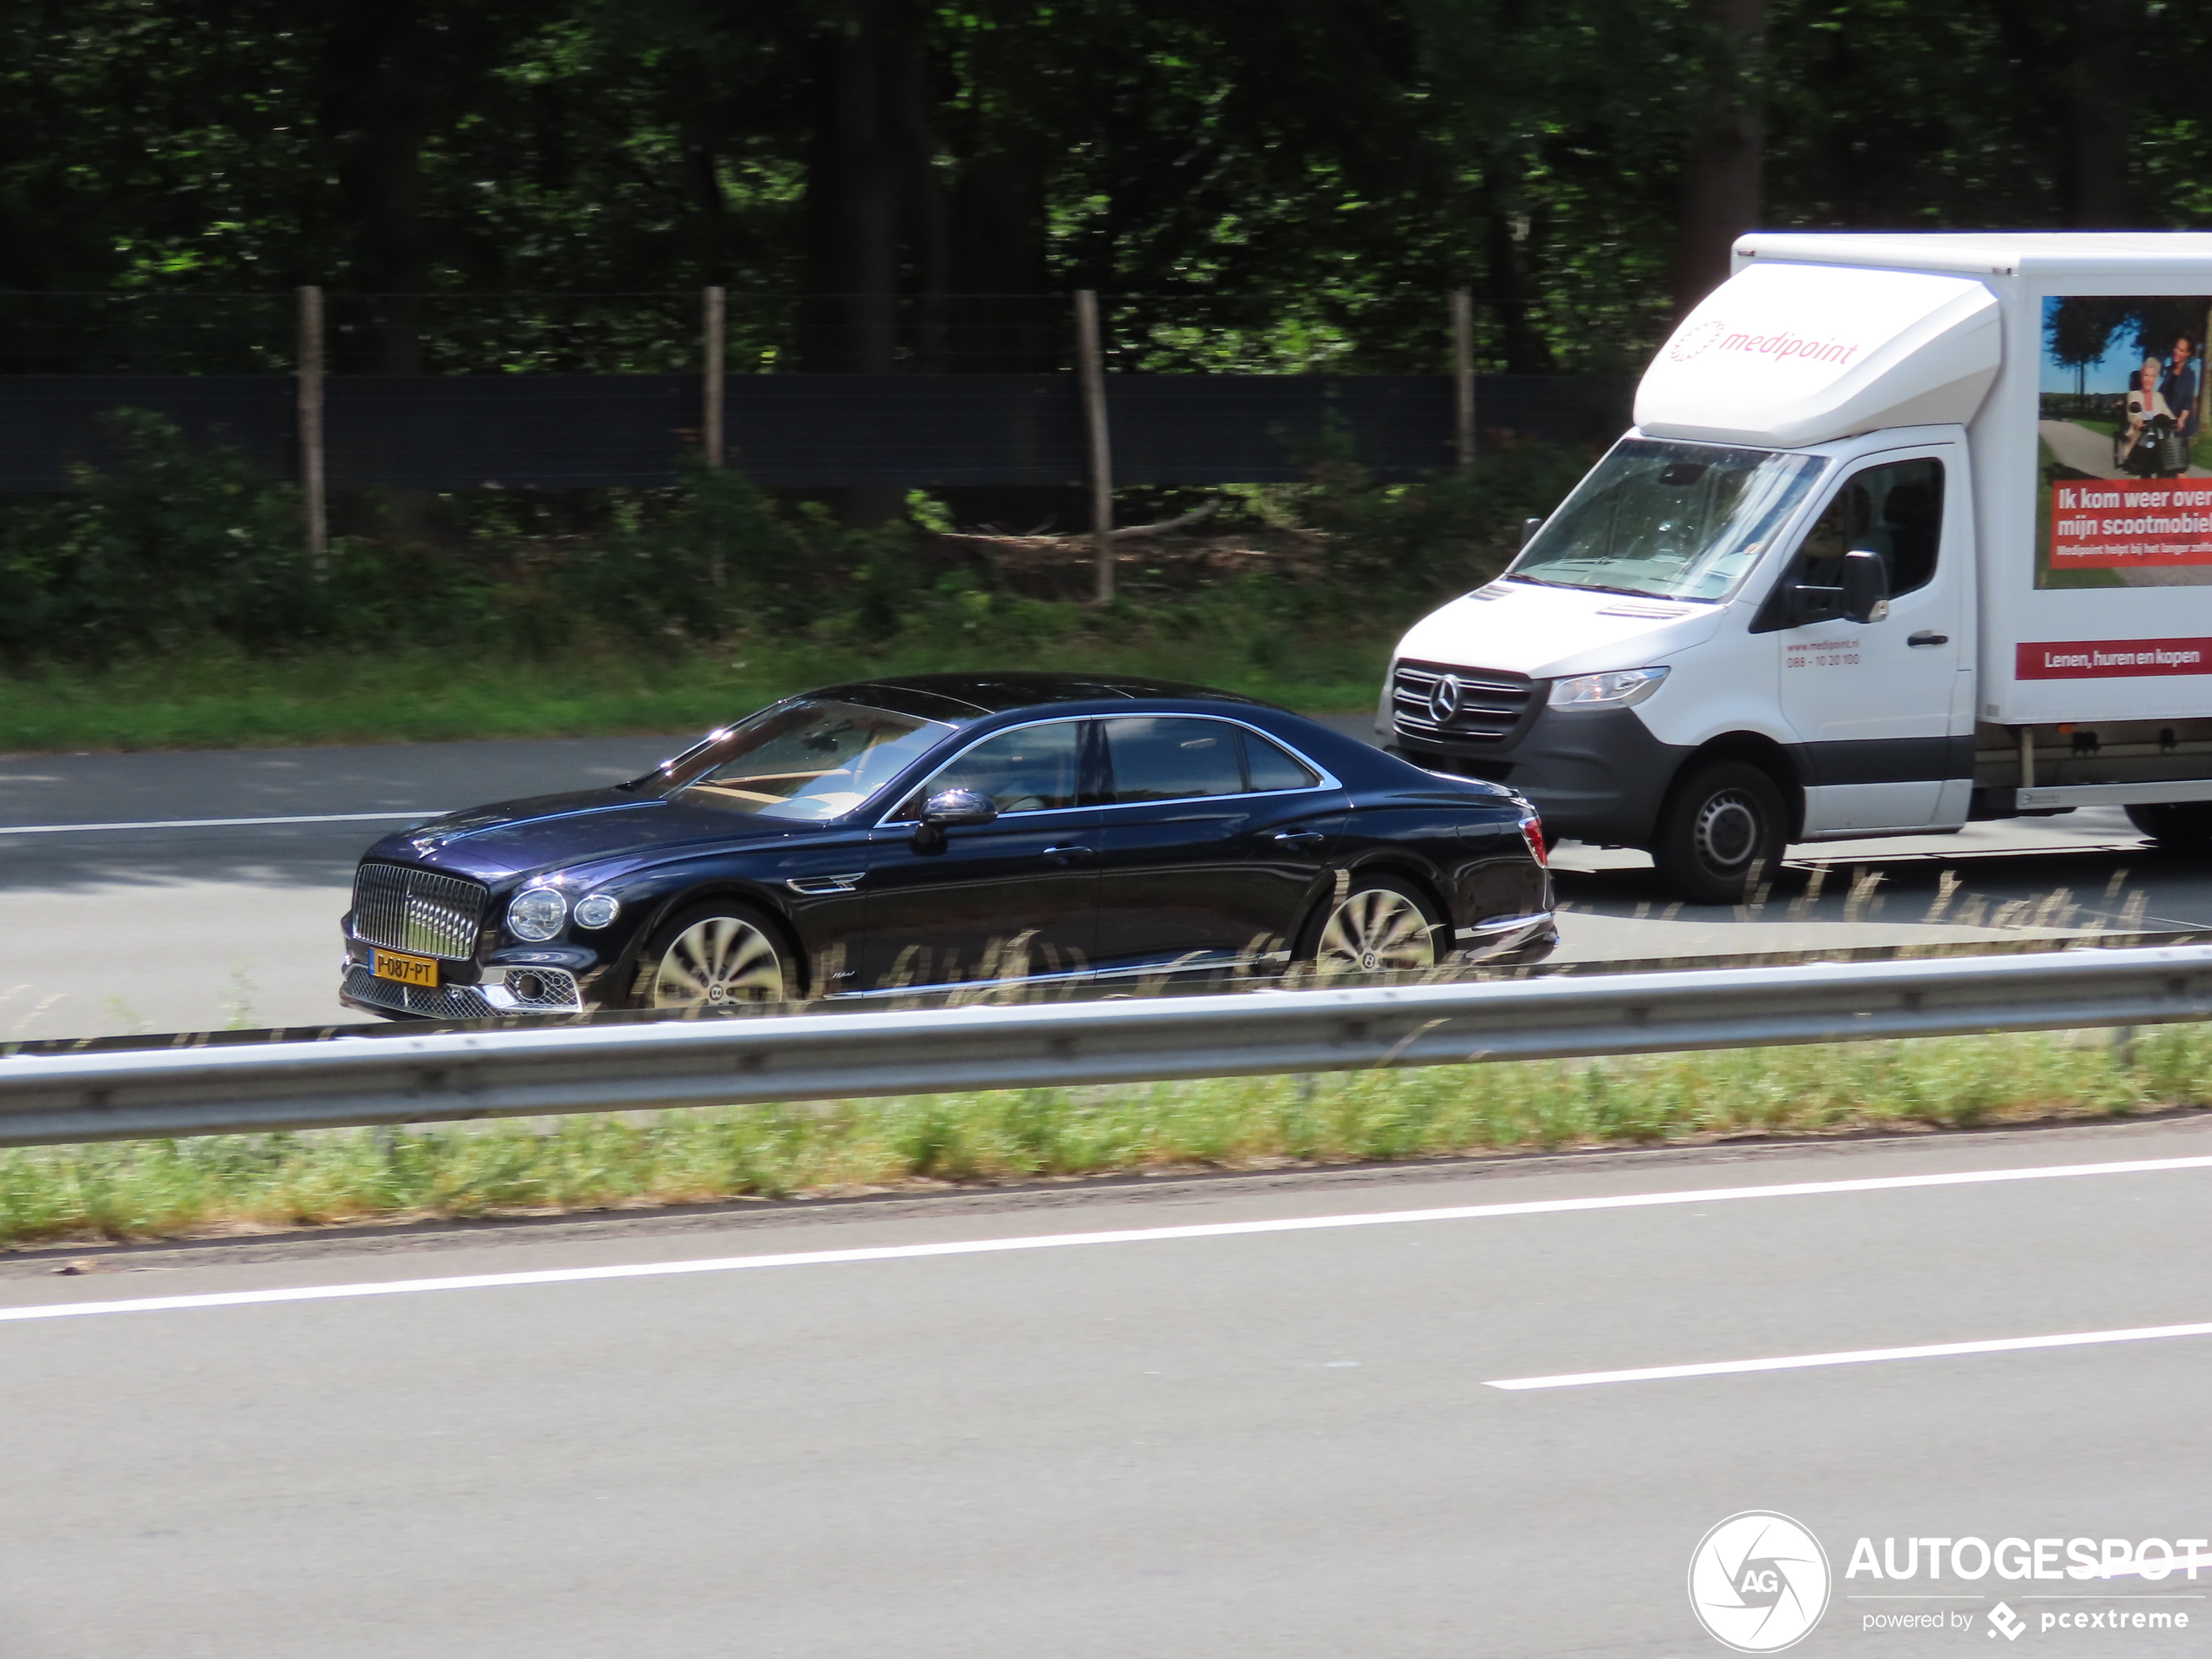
1758 1582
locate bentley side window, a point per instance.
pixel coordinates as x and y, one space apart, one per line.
1169 757
1030 769
1270 770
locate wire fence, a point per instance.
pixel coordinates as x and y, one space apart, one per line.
1396 332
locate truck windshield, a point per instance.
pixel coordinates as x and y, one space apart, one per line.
1674 521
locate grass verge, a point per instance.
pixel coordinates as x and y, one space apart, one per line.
214 697
229 1183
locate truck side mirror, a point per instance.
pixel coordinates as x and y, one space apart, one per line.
1866 587
1528 529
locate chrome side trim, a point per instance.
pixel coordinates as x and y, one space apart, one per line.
824 883
1501 933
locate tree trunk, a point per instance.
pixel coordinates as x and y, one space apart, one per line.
371 110
371 113
2101 96
1722 167
1505 239
870 202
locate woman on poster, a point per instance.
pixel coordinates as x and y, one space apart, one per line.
2148 446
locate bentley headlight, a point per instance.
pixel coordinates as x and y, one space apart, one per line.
538 913
1615 691
597 910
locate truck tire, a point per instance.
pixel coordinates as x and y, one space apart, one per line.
1721 831
2184 826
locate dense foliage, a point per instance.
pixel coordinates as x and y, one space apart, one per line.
174 545
1288 182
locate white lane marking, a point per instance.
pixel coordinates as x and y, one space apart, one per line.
1856 1357
1063 1241
211 823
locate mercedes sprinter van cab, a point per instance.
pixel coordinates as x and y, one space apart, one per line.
1910 530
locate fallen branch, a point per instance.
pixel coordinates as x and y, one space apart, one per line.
1078 538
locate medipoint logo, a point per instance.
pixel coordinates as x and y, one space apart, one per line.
1693 342
1758 1582
1782 346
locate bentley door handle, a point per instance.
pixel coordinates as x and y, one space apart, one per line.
1926 638
1300 839
1069 854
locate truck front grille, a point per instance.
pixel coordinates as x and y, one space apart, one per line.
1491 703
417 910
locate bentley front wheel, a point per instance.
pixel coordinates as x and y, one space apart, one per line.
713 956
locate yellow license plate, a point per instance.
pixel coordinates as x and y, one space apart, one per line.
408 970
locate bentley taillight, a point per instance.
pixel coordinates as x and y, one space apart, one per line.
1532 831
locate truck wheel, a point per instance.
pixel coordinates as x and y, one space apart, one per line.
2184 826
1720 831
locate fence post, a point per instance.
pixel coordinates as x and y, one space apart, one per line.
312 487
713 331
1091 371
1463 376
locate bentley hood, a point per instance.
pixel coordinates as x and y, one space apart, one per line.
547 832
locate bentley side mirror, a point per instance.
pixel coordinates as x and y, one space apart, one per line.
955 808
1866 587
951 809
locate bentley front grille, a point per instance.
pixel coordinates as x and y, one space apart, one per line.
417 910
1435 702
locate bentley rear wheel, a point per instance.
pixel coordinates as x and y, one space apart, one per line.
1379 926
714 955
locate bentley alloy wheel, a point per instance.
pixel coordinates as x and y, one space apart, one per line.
714 959
1378 927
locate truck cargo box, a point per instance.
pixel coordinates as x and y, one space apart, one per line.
2095 564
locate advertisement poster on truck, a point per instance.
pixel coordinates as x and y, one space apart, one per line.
2124 465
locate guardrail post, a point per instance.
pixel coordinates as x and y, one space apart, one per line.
1463 376
713 334
312 486
1091 370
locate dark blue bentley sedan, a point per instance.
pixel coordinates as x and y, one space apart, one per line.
941 830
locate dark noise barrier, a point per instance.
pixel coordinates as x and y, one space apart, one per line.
566 431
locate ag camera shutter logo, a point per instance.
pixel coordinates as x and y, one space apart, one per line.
1758 1582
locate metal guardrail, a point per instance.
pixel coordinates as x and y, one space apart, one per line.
446 1075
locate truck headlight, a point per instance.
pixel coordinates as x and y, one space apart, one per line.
1615 691
538 913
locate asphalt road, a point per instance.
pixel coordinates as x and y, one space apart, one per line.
1220 1441
191 926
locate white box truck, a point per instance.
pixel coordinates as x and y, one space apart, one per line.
1910 530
